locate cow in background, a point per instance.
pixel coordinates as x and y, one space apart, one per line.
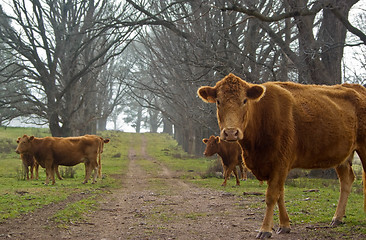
50 152
284 125
231 156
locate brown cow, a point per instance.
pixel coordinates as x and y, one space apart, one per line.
29 164
53 151
231 156
284 125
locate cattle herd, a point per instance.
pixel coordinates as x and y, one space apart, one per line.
50 152
268 128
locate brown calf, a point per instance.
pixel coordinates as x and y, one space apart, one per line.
231 156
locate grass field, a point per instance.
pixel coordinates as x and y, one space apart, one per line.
18 196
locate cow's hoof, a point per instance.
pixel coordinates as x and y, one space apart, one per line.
283 230
335 223
263 235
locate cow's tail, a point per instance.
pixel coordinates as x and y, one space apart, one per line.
99 160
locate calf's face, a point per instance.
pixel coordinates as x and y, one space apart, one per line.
233 98
212 145
24 144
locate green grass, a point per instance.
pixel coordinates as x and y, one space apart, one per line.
166 149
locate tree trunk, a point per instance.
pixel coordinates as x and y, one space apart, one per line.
138 120
102 124
167 126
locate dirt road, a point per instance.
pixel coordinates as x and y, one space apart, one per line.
156 206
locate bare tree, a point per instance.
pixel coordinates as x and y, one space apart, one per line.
62 46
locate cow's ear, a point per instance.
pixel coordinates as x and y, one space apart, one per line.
31 138
18 139
217 138
205 140
106 140
256 92
207 94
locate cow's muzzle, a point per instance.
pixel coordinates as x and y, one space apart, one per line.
17 151
231 134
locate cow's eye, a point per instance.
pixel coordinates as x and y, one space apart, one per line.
245 101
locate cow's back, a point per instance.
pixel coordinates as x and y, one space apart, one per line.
324 120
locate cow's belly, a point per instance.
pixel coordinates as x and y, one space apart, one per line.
70 159
321 161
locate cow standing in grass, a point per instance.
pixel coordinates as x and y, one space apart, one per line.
231 156
284 125
51 152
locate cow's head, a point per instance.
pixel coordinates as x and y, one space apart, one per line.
233 98
212 145
24 144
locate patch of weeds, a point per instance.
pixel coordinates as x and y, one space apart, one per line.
75 211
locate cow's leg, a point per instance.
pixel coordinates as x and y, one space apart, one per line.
48 167
95 175
275 194
234 170
241 167
58 173
87 172
225 170
362 154
245 173
25 171
36 166
284 219
346 178
50 173
31 167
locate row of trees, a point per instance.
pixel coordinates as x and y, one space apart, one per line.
60 53
76 64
